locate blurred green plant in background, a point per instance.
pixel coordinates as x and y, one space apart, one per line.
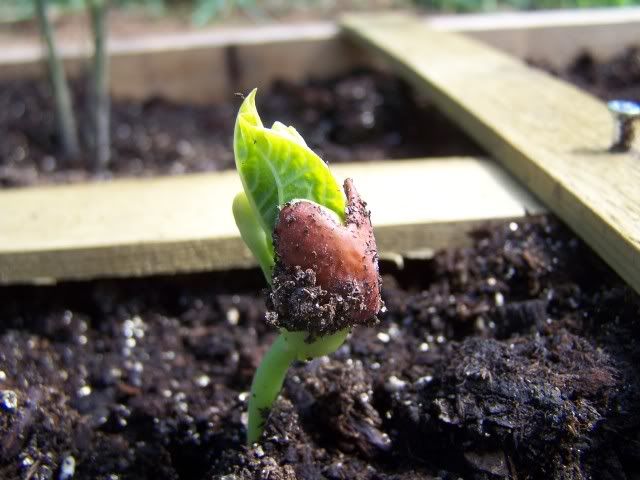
19 10
202 12
97 130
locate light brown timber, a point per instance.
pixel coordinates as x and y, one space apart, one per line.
184 224
554 37
212 64
550 135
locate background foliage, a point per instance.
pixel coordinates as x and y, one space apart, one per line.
204 11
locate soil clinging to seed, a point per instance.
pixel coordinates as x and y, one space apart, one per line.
326 276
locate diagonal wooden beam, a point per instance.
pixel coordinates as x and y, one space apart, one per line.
183 224
550 135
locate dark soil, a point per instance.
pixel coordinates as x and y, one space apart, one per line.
618 78
364 115
516 358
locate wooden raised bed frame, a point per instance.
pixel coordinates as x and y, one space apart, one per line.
222 61
555 144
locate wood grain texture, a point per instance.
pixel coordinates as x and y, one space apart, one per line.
183 224
550 135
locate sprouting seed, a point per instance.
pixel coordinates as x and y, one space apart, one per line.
314 242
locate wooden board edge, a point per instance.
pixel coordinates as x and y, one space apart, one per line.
51 267
616 247
508 20
223 61
107 229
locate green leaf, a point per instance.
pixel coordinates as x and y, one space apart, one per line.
253 234
276 166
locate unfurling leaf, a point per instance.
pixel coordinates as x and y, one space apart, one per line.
276 166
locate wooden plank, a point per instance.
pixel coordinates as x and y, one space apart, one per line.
212 64
201 66
179 224
550 135
555 37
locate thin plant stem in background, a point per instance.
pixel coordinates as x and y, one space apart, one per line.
100 107
64 109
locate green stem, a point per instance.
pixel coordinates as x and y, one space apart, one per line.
268 379
266 385
64 110
100 107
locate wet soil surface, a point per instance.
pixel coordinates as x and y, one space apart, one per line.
514 358
364 115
